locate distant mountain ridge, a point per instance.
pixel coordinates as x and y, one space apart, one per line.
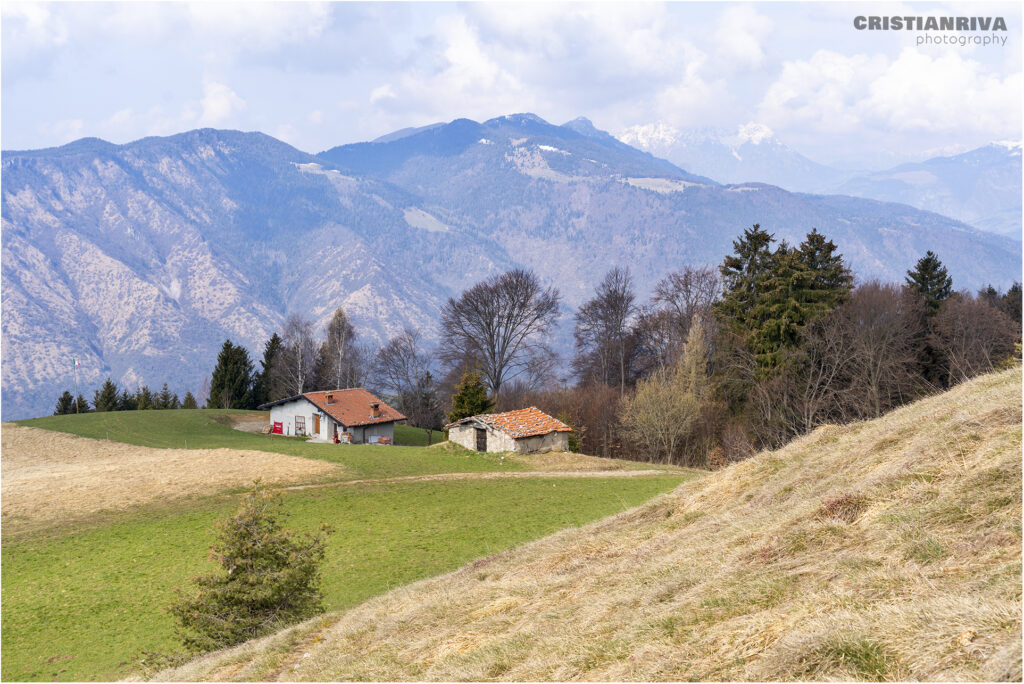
140 259
981 187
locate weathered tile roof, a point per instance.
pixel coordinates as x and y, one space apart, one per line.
350 407
528 422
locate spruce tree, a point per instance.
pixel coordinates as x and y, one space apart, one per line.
270 578
470 398
743 275
65 404
81 405
231 382
261 381
163 399
930 280
127 402
831 281
106 398
144 399
189 402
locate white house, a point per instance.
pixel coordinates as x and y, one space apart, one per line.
346 415
526 431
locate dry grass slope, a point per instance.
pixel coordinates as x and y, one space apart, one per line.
51 478
877 551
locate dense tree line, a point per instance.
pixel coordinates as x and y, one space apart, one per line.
110 398
774 342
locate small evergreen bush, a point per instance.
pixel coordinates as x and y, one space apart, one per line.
270 578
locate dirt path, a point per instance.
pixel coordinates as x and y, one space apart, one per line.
49 477
484 476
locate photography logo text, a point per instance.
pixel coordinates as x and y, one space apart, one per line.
932 30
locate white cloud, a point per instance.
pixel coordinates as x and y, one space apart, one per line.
219 104
316 117
32 25
384 92
738 38
914 92
941 94
259 25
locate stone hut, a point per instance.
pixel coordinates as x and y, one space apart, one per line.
526 431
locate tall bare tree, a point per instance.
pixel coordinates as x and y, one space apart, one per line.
603 340
294 367
400 366
503 321
686 293
339 357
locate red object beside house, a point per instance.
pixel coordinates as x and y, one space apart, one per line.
278 428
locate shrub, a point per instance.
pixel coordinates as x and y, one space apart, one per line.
270 578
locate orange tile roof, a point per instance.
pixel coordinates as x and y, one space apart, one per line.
528 422
351 407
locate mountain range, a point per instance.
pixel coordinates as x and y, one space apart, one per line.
140 259
981 187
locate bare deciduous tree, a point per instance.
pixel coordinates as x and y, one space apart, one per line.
339 359
884 328
503 322
686 293
294 366
971 336
602 334
666 409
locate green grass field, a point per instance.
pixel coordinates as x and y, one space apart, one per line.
81 606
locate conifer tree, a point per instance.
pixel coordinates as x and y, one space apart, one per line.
127 402
81 405
65 404
189 402
261 380
231 382
470 398
930 280
163 399
743 275
106 398
270 578
831 281
144 399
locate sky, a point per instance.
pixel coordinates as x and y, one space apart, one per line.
318 75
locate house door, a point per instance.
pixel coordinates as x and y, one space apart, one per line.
481 439
316 424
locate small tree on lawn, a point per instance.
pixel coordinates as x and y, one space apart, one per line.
470 398
189 401
65 404
270 578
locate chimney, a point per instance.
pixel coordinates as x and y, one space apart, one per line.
375 410
330 397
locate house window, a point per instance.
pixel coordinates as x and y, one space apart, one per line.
300 426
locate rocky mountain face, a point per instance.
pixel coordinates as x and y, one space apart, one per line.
140 259
981 187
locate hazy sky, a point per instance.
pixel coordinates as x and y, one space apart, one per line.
324 74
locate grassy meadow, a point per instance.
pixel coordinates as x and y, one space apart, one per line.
82 600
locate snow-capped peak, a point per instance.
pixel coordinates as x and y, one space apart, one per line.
1011 145
648 136
754 133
